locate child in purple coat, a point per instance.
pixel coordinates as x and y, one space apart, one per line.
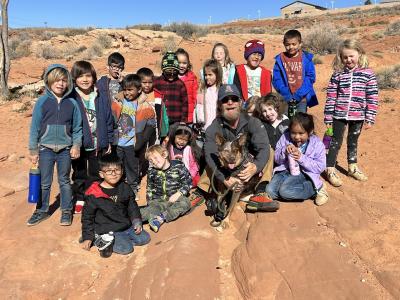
306 152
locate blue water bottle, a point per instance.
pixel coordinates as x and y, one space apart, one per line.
34 185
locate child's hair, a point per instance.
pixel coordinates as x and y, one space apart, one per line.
109 160
228 59
353 45
269 100
183 129
156 149
131 80
145 72
57 74
305 120
291 34
81 67
184 52
116 58
216 68
252 101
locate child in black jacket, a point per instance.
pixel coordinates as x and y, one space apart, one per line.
111 206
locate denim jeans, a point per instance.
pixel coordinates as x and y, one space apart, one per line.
126 240
288 187
131 165
47 159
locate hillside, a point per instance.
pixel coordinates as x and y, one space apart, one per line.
346 249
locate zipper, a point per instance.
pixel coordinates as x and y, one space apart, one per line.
351 95
58 121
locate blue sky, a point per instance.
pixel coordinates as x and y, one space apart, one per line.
120 13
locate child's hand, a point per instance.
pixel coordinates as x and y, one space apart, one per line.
75 152
86 245
174 197
293 151
108 151
34 159
367 125
232 181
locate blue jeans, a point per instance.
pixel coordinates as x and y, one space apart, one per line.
47 159
126 240
288 187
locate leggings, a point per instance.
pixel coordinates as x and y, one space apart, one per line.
354 130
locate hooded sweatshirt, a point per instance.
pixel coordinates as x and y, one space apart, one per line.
55 125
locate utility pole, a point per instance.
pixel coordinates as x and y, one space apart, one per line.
259 14
332 4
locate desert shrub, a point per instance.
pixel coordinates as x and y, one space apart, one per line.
104 40
49 52
322 39
74 31
389 78
47 35
169 44
19 48
187 30
382 22
378 35
257 30
317 60
93 51
393 29
154 27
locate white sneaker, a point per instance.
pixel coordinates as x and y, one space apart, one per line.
322 196
333 178
356 173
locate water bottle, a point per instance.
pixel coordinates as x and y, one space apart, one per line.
292 109
328 137
34 185
294 167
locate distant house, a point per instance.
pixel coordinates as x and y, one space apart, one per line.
300 8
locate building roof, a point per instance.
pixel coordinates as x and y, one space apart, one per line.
316 6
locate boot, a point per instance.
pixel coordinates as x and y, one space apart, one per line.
332 176
356 173
322 196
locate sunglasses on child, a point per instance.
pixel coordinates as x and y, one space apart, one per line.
111 171
232 98
171 73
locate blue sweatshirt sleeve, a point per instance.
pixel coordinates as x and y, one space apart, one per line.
76 126
278 81
35 127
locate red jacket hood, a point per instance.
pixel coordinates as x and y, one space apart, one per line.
96 191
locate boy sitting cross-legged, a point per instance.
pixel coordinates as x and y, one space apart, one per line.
110 205
168 185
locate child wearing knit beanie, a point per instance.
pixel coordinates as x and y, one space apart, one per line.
251 78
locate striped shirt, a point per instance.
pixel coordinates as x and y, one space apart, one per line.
352 95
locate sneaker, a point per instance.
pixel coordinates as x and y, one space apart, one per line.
322 196
196 199
262 202
356 173
332 177
66 218
37 217
155 224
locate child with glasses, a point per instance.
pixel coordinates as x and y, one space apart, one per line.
173 89
251 78
111 206
110 85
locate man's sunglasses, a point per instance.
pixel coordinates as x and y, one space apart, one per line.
232 98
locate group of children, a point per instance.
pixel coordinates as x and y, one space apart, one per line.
110 129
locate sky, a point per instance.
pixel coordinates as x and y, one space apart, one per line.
122 13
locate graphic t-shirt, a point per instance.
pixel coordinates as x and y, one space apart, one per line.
253 81
90 111
126 123
112 193
114 87
178 153
294 71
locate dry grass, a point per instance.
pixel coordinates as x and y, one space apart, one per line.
389 78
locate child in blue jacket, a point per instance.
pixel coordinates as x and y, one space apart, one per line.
294 73
55 137
97 127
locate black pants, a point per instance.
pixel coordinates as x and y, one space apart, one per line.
144 141
354 130
131 165
85 172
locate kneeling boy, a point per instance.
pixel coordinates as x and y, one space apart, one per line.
168 185
110 206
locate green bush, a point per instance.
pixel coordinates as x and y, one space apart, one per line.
154 27
322 39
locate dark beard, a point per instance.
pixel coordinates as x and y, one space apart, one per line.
231 116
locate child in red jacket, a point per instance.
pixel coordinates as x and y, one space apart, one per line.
189 79
251 78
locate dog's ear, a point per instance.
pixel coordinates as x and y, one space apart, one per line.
242 139
219 139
